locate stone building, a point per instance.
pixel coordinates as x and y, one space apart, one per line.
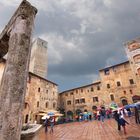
41 97
39 58
117 86
132 49
41 94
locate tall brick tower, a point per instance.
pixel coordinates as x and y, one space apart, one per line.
38 59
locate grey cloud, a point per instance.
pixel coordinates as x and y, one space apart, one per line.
5 14
98 44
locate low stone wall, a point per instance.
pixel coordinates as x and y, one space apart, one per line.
33 129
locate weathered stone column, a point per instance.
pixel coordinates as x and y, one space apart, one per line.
14 79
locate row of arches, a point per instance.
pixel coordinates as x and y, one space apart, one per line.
47 105
124 102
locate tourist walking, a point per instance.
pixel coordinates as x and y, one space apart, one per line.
98 115
51 124
46 125
102 114
116 117
137 117
122 123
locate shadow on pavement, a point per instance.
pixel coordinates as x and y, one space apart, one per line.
133 138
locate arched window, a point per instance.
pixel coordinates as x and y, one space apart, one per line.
124 102
46 105
131 92
37 103
136 58
94 107
54 105
112 97
26 118
78 111
124 92
25 105
39 89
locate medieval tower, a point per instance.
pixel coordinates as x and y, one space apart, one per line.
38 60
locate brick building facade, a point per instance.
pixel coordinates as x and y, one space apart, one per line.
117 85
41 96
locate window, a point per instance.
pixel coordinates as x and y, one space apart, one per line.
131 92
76 91
112 97
95 99
54 105
98 87
25 105
29 79
131 81
35 117
114 69
118 84
37 103
39 89
77 101
46 104
66 94
71 93
108 85
68 102
46 91
82 100
92 89
106 71
81 90
124 92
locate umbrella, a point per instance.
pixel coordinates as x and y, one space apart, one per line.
45 116
58 115
138 103
50 113
114 108
130 106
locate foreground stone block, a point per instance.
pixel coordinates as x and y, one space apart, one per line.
16 39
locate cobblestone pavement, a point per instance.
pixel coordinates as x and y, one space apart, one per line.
93 130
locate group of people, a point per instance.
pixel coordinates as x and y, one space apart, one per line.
101 114
49 121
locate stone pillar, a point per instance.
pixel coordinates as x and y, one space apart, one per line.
14 81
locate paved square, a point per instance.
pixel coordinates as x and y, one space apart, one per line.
92 130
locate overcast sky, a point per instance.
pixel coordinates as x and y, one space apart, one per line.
83 35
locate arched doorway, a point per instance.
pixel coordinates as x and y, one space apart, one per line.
136 98
94 107
26 118
70 114
78 111
54 105
124 102
85 110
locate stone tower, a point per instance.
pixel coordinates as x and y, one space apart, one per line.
38 59
132 49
